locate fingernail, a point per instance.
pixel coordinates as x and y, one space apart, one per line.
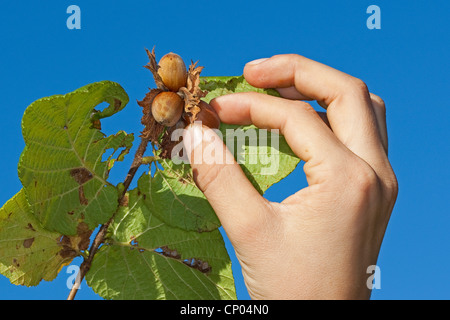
192 137
257 61
204 145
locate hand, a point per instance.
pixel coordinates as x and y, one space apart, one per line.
317 243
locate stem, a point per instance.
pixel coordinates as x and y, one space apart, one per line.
100 236
149 159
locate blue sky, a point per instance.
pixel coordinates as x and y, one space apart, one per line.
406 62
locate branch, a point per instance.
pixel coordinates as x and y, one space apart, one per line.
100 237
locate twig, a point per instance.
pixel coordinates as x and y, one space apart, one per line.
100 237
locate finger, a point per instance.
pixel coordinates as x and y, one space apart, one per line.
380 113
216 173
291 93
323 116
305 132
377 103
349 107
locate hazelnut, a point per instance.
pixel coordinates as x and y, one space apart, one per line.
172 71
208 116
167 108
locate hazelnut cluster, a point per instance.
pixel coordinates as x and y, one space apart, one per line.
169 106
176 102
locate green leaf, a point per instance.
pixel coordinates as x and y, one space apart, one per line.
29 253
174 198
61 168
264 156
144 258
219 86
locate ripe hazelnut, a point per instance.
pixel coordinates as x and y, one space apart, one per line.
208 116
172 71
167 108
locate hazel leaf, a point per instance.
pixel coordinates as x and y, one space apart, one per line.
28 252
174 198
61 167
145 258
218 86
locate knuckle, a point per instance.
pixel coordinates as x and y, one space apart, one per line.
298 104
378 100
301 110
301 107
290 56
378 103
206 177
359 86
365 180
391 186
248 98
296 61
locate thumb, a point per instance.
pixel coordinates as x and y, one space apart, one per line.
221 179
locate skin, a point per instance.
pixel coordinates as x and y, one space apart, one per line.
318 242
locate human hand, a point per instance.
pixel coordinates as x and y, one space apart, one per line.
318 242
